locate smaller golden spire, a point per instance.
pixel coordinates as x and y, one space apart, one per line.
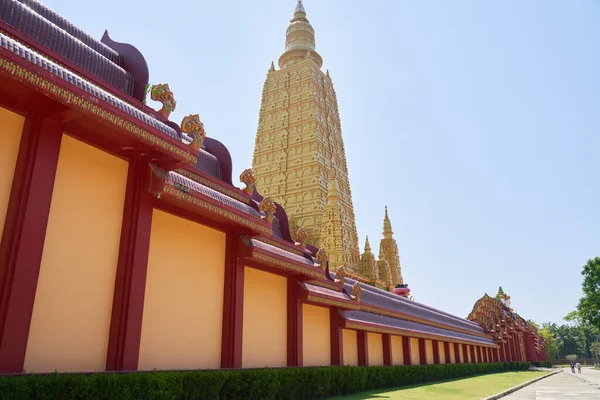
367 245
272 69
387 226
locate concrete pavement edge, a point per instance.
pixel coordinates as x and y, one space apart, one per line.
521 386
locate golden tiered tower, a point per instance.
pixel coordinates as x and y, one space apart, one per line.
389 249
299 147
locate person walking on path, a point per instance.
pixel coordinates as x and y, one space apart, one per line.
572 367
578 365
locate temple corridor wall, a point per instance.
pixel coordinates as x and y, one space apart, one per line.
183 305
428 352
265 320
414 352
11 128
452 357
316 337
375 341
397 352
350 347
73 302
442 353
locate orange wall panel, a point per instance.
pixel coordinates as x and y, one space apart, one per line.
397 354
316 336
11 127
350 347
442 353
183 304
73 301
375 341
429 351
453 356
414 351
265 320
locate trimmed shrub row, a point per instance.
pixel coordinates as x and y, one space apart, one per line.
259 384
543 364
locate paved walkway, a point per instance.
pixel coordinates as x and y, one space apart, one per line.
584 386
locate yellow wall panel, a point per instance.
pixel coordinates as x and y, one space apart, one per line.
442 353
375 343
350 347
429 351
265 320
414 351
467 356
73 302
316 336
397 353
183 305
452 354
11 127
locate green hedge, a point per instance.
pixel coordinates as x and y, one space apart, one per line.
544 364
280 384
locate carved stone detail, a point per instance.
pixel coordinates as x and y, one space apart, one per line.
356 292
247 178
301 238
195 128
341 275
267 205
322 258
164 95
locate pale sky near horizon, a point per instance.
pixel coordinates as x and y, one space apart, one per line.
476 122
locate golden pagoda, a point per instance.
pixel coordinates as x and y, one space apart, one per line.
300 161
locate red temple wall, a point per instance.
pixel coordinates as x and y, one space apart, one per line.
11 128
397 354
265 320
73 302
414 352
375 348
428 352
183 304
350 347
316 335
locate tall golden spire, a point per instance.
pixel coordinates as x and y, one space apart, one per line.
299 40
387 226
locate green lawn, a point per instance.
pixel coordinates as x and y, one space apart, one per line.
475 388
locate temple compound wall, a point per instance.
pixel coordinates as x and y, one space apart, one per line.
126 246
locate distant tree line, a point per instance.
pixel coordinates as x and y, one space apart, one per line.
580 336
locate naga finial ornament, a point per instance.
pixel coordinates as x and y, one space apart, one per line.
322 258
267 205
301 238
247 178
195 128
164 95
341 275
356 292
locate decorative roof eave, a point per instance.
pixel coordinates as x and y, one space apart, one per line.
164 188
276 261
413 318
333 299
376 328
52 86
214 183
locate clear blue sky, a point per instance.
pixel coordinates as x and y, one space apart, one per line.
476 122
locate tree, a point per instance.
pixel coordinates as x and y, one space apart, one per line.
552 345
589 304
595 350
571 357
